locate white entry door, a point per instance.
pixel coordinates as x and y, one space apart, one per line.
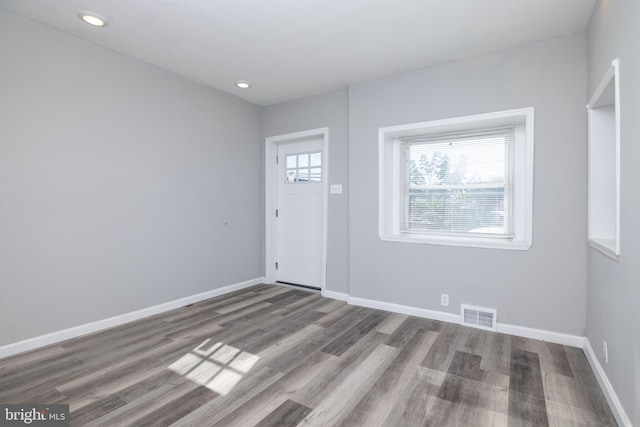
300 212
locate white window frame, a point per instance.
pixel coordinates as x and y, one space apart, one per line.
391 177
604 165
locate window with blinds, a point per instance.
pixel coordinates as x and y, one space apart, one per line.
458 183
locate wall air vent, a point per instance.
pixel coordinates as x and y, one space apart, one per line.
479 317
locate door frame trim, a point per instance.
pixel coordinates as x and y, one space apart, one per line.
271 196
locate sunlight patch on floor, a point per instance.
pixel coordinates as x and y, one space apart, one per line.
218 366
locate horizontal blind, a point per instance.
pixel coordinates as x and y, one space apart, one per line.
459 183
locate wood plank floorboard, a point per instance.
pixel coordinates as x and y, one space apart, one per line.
380 399
267 401
276 356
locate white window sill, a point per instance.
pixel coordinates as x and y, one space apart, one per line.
469 242
605 246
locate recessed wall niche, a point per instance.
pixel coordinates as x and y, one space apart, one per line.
604 164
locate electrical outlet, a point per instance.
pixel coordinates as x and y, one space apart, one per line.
444 300
605 351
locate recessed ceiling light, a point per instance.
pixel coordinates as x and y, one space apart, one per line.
243 85
93 18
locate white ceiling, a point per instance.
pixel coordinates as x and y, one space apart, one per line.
290 49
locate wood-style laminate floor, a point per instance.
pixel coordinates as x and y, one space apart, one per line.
273 356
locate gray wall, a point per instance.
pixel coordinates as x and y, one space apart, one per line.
614 287
115 177
541 288
328 110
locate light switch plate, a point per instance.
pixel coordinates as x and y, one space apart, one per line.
335 189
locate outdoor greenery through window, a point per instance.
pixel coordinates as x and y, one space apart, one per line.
459 183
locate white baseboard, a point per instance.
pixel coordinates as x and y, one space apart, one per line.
605 385
405 309
335 295
76 331
520 331
541 334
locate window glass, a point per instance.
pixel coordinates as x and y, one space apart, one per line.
316 159
298 171
291 162
315 175
303 175
458 185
